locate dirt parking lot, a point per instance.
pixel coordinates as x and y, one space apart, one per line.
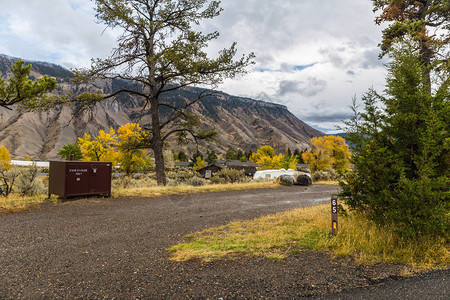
116 248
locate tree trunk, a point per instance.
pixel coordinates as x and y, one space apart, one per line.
157 144
425 57
426 51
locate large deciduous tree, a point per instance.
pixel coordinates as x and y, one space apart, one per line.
160 51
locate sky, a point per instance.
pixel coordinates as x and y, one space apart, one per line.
313 56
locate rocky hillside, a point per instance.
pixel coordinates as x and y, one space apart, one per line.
243 123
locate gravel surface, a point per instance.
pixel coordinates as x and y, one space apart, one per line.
116 248
433 285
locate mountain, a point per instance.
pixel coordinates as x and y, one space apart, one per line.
242 123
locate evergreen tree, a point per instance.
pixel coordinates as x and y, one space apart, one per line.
299 153
248 154
288 153
68 149
211 156
23 91
400 152
230 154
182 156
238 154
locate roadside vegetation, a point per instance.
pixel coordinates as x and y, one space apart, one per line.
280 235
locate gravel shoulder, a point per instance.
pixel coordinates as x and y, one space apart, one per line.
116 248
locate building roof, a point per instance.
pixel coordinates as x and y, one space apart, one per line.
238 163
211 166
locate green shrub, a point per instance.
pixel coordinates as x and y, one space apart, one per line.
217 180
8 180
129 182
181 175
228 176
329 174
196 181
27 182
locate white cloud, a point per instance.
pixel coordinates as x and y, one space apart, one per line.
63 32
312 56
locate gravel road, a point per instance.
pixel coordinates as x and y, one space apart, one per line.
433 285
116 248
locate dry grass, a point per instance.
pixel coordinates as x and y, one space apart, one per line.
155 191
327 182
276 236
15 202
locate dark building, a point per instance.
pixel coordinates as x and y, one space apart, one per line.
210 170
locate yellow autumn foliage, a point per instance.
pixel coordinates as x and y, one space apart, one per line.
5 159
328 152
266 158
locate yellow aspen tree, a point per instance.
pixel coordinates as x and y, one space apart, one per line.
266 159
5 159
328 152
199 163
129 155
99 149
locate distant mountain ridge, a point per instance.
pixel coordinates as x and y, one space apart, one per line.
243 123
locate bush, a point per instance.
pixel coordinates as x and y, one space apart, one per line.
129 182
228 176
329 174
181 175
26 181
196 181
7 180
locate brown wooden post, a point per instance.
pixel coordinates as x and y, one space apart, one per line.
334 215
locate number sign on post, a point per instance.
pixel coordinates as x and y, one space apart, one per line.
334 215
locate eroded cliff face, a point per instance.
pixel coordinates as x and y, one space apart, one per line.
242 123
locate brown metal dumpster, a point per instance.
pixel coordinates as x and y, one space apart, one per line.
79 178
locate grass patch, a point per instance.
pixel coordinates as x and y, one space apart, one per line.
326 182
279 235
155 191
15 202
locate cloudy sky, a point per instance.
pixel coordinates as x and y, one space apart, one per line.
313 56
